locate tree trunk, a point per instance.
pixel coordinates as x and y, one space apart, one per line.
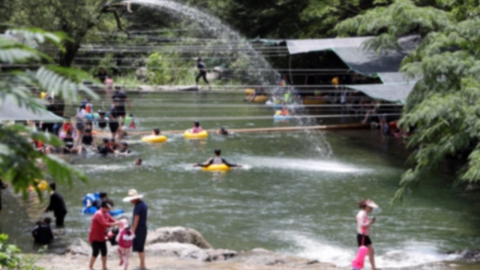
67 57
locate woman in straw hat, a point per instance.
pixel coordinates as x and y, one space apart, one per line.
139 226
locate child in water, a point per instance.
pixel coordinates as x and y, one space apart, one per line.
125 241
156 132
196 127
132 122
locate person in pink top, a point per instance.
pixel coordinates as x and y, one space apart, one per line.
196 127
125 238
363 229
108 84
100 222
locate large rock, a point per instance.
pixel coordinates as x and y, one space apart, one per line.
188 251
178 235
79 247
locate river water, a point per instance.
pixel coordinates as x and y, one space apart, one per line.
297 193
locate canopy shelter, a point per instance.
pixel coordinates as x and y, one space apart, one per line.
352 51
11 110
355 55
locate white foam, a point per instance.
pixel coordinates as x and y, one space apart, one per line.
304 165
409 254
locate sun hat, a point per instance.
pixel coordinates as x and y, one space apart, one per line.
371 203
132 195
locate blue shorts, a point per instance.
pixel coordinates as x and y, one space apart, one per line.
139 240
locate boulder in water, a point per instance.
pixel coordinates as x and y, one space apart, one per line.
178 235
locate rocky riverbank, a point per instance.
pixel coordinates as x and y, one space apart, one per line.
182 248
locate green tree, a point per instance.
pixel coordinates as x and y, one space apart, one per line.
443 105
20 164
10 257
75 18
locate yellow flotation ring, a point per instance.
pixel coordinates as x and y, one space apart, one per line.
201 135
260 99
43 185
154 139
217 167
249 91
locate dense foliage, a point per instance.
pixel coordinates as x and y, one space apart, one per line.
10 257
285 18
75 18
443 105
20 164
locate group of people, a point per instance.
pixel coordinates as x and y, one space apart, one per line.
78 136
127 237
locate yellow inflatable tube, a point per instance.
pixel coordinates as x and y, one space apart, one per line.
217 168
249 91
260 99
201 135
154 139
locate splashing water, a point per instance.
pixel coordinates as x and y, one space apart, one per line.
258 68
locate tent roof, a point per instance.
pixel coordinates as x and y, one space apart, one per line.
390 92
10 110
352 52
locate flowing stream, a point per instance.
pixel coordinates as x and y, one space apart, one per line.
289 197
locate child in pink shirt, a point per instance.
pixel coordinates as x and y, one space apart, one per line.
125 241
196 127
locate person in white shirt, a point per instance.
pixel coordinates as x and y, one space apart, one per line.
363 228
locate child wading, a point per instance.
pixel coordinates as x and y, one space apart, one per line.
125 241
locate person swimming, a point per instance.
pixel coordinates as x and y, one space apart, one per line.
123 150
223 132
138 162
216 160
196 128
155 132
105 149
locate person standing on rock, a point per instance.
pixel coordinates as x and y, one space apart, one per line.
139 226
100 222
57 205
203 73
363 228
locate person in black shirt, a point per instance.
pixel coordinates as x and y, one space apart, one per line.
101 75
69 144
42 233
216 160
105 149
53 109
102 197
119 98
113 121
2 186
57 205
203 72
87 141
102 121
